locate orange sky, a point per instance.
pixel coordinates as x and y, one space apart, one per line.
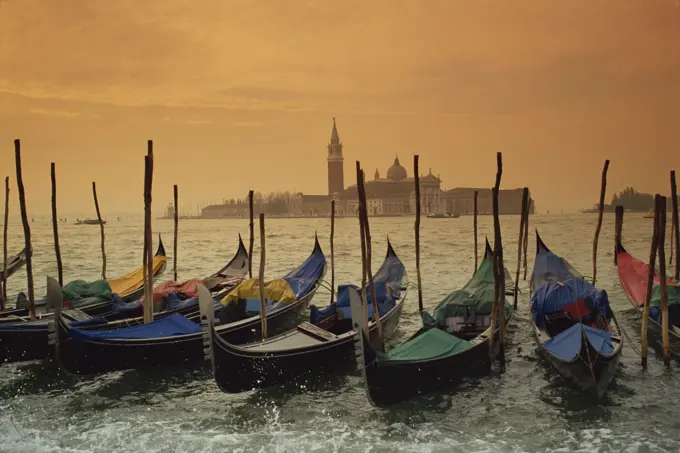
240 94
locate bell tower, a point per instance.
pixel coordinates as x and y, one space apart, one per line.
336 178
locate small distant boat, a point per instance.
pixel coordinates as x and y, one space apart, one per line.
89 222
573 324
443 216
649 216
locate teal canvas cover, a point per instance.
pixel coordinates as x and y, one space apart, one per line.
475 298
80 293
673 295
430 344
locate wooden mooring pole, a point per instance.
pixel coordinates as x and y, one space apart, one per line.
101 228
55 226
526 235
4 247
252 234
416 177
650 283
525 196
263 313
369 272
148 254
474 226
364 258
498 313
675 243
618 229
603 191
332 250
174 251
663 290
27 230
149 240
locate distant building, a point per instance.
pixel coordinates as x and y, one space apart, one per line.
336 176
461 201
393 195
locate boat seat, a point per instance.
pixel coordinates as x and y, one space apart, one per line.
558 322
73 314
316 332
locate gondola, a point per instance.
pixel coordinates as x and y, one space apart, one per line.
14 263
633 276
128 287
452 344
22 339
323 344
176 340
572 323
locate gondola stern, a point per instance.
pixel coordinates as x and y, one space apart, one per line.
361 342
55 301
619 248
390 249
207 310
540 245
317 245
161 248
488 251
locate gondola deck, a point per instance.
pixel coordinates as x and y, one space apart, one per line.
310 349
85 356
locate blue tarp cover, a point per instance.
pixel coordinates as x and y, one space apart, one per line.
165 327
567 345
390 274
553 296
302 279
552 268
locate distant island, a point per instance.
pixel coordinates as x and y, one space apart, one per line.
630 199
392 194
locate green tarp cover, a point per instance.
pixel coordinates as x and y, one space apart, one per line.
80 293
431 344
673 295
475 298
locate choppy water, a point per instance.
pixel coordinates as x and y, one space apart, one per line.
525 409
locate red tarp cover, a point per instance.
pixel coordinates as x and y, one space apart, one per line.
633 275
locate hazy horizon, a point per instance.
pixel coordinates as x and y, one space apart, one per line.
240 95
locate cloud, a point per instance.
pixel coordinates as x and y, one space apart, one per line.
61 113
255 123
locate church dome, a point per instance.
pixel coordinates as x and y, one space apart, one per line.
396 172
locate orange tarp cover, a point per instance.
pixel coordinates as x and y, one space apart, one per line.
189 288
134 280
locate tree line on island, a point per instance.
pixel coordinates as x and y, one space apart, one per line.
630 199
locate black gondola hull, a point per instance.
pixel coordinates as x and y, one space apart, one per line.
592 380
96 356
24 344
238 370
392 383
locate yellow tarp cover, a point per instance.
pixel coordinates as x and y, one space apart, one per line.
134 280
275 290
